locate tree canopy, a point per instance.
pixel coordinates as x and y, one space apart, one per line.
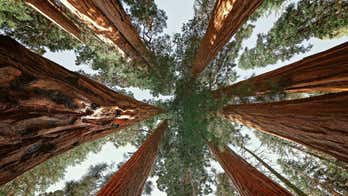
185 165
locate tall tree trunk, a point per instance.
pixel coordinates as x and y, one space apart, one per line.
131 177
325 71
278 175
55 15
46 110
247 179
226 19
318 122
109 20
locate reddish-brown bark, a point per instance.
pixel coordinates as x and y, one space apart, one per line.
318 122
326 71
227 17
55 15
131 177
109 20
247 179
46 110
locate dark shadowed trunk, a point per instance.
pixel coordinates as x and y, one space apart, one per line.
55 15
318 122
226 19
131 177
326 71
46 110
247 179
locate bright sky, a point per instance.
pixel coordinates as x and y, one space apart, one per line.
178 12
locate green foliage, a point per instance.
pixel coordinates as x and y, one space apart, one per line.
87 185
146 16
338 33
32 29
35 31
114 70
150 22
298 23
316 177
266 8
148 188
194 114
185 160
187 42
311 173
224 186
134 135
182 165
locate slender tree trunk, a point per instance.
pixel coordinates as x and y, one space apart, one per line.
46 110
317 154
226 19
55 15
131 177
326 71
278 175
247 179
109 20
318 122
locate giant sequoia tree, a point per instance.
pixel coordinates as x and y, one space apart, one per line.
317 122
131 177
326 71
227 17
47 110
108 19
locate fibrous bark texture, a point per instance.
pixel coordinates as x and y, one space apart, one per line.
226 19
51 12
46 110
318 122
326 71
109 20
131 177
247 179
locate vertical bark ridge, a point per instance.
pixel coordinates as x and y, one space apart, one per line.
326 71
226 19
46 110
247 179
319 122
131 177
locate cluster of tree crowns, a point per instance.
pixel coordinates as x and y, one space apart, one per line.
184 151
